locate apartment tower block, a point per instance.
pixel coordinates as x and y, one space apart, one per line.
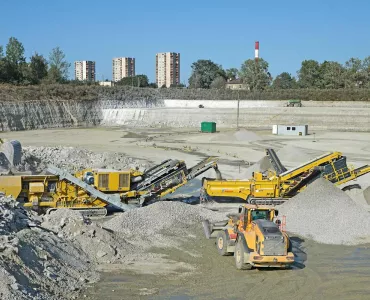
123 67
167 69
85 70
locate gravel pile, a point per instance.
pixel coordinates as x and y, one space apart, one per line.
326 214
35 159
262 165
162 224
102 246
36 263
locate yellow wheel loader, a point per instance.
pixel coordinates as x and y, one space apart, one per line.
253 238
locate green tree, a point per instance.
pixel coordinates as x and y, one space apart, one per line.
38 68
204 72
58 66
180 85
14 61
309 75
332 75
284 81
135 81
255 74
366 69
153 85
218 83
15 52
2 65
231 73
356 73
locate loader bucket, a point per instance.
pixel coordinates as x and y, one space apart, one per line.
12 151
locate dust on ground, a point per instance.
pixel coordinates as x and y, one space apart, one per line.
321 271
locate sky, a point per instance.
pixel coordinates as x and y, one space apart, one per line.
222 31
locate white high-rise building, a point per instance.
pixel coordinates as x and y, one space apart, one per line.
85 70
167 69
123 67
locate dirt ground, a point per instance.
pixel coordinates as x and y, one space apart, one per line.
320 272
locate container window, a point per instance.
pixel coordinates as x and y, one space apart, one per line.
293 128
288 128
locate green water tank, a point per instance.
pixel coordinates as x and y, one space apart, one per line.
208 127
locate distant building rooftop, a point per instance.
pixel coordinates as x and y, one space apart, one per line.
236 84
106 83
234 81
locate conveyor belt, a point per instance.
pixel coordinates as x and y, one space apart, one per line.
275 161
158 172
362 170
318 161
202 167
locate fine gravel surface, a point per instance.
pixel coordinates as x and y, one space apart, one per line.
293 154
246 136
367 195
324 213
36 159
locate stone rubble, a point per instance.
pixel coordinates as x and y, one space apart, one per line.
58 254
101 245
36 263
36 159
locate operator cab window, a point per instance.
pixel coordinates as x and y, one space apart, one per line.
260 214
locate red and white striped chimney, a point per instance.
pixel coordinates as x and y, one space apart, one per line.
257 50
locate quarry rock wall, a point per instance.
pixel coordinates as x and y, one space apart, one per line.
26 115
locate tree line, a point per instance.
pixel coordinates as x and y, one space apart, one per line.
355 73
255 75
15 69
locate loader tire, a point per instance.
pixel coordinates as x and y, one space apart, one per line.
239 257
221 243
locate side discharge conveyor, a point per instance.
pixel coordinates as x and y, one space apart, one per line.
280 184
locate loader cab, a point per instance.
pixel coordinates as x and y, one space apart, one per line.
257 214
250 213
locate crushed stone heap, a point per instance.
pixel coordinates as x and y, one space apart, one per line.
99 244
162 224
160 216
36 263
71 159
327 215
